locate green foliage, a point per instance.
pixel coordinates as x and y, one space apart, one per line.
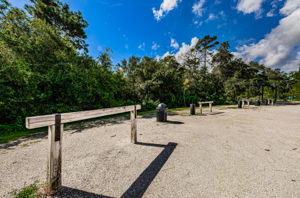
59 16
43 70
31 191
149 104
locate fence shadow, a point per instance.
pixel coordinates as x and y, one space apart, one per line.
153 115
216 113
174 122
140 185
67 192
150 144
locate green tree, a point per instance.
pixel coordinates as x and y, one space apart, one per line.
203 45
59 15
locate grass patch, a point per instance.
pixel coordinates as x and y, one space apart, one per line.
31 191
10 136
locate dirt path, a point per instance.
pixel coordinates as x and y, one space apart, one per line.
245 153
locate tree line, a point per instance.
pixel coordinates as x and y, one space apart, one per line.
45 68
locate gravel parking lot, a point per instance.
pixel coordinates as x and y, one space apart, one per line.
247 153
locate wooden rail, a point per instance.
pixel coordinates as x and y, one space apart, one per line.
206 102
243 102
55 123
270 101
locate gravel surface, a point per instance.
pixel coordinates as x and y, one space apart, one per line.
246 153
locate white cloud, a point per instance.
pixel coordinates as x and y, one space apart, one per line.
292 64
155 46
174 43
185 48
271 13
290 6
222 14
249 6
211 17
281 47
198 23
166 54
198 8
142 46
165 7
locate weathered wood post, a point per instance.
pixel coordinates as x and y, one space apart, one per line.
272 101
200 107
243 104
133 115
210 107
248 102
55 155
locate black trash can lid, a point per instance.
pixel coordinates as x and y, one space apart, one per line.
161 106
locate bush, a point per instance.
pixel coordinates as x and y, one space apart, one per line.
150 104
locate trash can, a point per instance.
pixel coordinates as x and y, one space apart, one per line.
192 109
161 113
240 103
257 102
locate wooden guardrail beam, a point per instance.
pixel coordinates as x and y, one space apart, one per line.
48 120
55 123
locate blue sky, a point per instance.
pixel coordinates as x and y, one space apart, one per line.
256 29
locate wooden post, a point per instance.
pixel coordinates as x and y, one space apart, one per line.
210 107
133 115
55 156
248 101
200 107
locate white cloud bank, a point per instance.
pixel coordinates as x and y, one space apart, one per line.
290 6
249 6
165 7
281 47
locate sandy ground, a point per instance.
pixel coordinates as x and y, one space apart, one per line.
247 153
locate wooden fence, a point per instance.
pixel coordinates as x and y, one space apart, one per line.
206 102
55 123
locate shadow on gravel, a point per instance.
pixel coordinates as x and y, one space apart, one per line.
140 185
14 143
150 144
174 122
216 113
153 115
67 192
